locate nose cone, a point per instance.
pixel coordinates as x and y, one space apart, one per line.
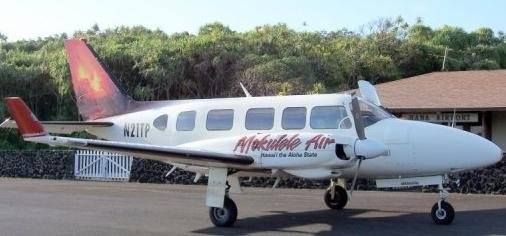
449 149
488 152
474 151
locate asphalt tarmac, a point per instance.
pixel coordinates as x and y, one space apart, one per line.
55 207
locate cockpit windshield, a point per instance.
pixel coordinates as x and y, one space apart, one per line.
372 113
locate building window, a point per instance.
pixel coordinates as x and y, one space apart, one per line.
294 118
220 119
186 121
161 122
260 118
327 117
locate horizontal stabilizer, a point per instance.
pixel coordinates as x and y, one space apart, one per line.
61 127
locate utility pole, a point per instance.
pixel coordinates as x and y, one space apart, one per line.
444 59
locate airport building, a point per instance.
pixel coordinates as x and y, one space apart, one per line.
474 100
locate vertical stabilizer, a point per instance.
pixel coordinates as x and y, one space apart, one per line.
96 93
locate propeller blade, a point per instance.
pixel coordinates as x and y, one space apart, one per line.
357 117
355 177
368 92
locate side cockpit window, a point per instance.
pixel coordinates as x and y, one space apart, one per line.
371 113
161 122
328 117
186 121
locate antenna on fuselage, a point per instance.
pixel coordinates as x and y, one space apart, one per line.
453 117
245 90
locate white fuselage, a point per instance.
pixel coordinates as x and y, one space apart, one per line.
415 148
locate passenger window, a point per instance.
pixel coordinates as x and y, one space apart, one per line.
186 121
294 118
260 118
220 119
161 122
327 117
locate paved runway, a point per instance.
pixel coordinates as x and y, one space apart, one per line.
51 207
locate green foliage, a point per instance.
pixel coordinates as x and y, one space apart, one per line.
268 60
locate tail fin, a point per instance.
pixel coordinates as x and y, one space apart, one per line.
26 121
96 94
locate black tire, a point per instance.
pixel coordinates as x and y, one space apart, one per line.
340 198
226 216
445 216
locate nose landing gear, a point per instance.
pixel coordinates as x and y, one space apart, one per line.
442 212
336 196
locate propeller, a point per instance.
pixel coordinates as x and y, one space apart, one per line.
364 148
359 127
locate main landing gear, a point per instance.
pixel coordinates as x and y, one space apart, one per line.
224 216
442 212
336 196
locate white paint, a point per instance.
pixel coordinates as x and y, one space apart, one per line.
414 148
368 92
409 182
216 187
97 165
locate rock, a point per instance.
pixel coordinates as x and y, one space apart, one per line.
59 164
48 164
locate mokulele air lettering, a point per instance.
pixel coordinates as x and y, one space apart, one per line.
317 136
267 143
319 141
282 142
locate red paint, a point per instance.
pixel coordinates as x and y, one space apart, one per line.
27 123
96 94
267 143
319 142
282 142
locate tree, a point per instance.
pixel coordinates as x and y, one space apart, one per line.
3 37
268 60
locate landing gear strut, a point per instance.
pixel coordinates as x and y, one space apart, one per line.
224 216
442 212
336 196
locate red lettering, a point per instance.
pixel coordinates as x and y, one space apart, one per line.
241 144
294 142
313 141
319 142
267 143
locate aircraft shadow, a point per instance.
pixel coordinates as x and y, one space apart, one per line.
350 222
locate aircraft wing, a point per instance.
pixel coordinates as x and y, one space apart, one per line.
33 130
61 127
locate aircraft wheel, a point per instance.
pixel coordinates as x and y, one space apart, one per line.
226 216
443 216
340 198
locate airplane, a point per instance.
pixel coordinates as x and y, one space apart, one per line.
329 136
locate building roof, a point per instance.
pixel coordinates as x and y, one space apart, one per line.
461 90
